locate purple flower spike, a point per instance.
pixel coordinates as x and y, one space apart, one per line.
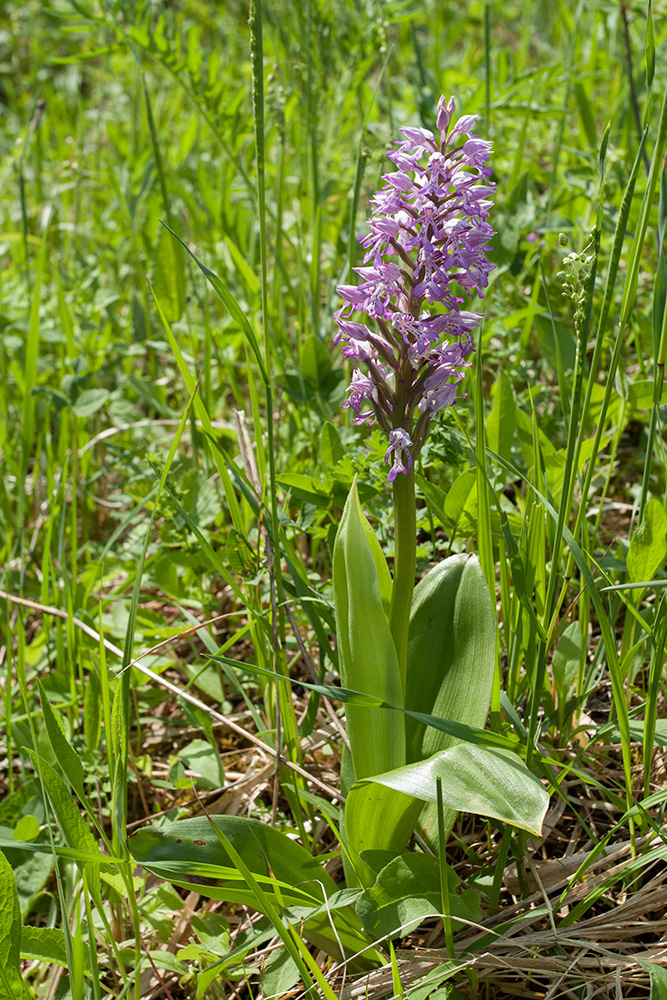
428 243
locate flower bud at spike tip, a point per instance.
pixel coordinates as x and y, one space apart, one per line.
427 246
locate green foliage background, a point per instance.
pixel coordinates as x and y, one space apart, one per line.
118 117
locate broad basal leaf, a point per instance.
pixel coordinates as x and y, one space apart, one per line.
188 853
407 891
368 656
451 660
451 652
377 818
490 782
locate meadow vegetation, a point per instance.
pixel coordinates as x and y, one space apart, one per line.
180 195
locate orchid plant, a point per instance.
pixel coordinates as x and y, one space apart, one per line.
433 654
416 663
428 242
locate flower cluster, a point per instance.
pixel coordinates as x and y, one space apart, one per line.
576 278
427 244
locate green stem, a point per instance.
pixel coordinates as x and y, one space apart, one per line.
405 560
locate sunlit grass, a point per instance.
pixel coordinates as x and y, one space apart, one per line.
174 452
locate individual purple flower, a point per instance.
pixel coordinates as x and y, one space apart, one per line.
399 444
427 245
361 390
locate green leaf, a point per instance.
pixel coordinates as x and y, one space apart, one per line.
212 929
71 823
458 730
290 940
434 497
649 55
377 818
428 990
317 377
167 277
640 391
475 779
33 873
566 660
92 711
315 363
587 116
451 657
234 309
12 986
188 851
451 660
7 843
637 733
658 979
331 446
67 758
166 960
27 828
519 575
341 899
152 394
206 976
29 852
74 829
384 576
501 422
118 885
525 427
90 402
407 891
306 488
451 652
648 547
199 756
43 944
12 805
280 974
462 498
369 663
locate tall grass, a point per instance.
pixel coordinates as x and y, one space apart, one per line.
174 451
